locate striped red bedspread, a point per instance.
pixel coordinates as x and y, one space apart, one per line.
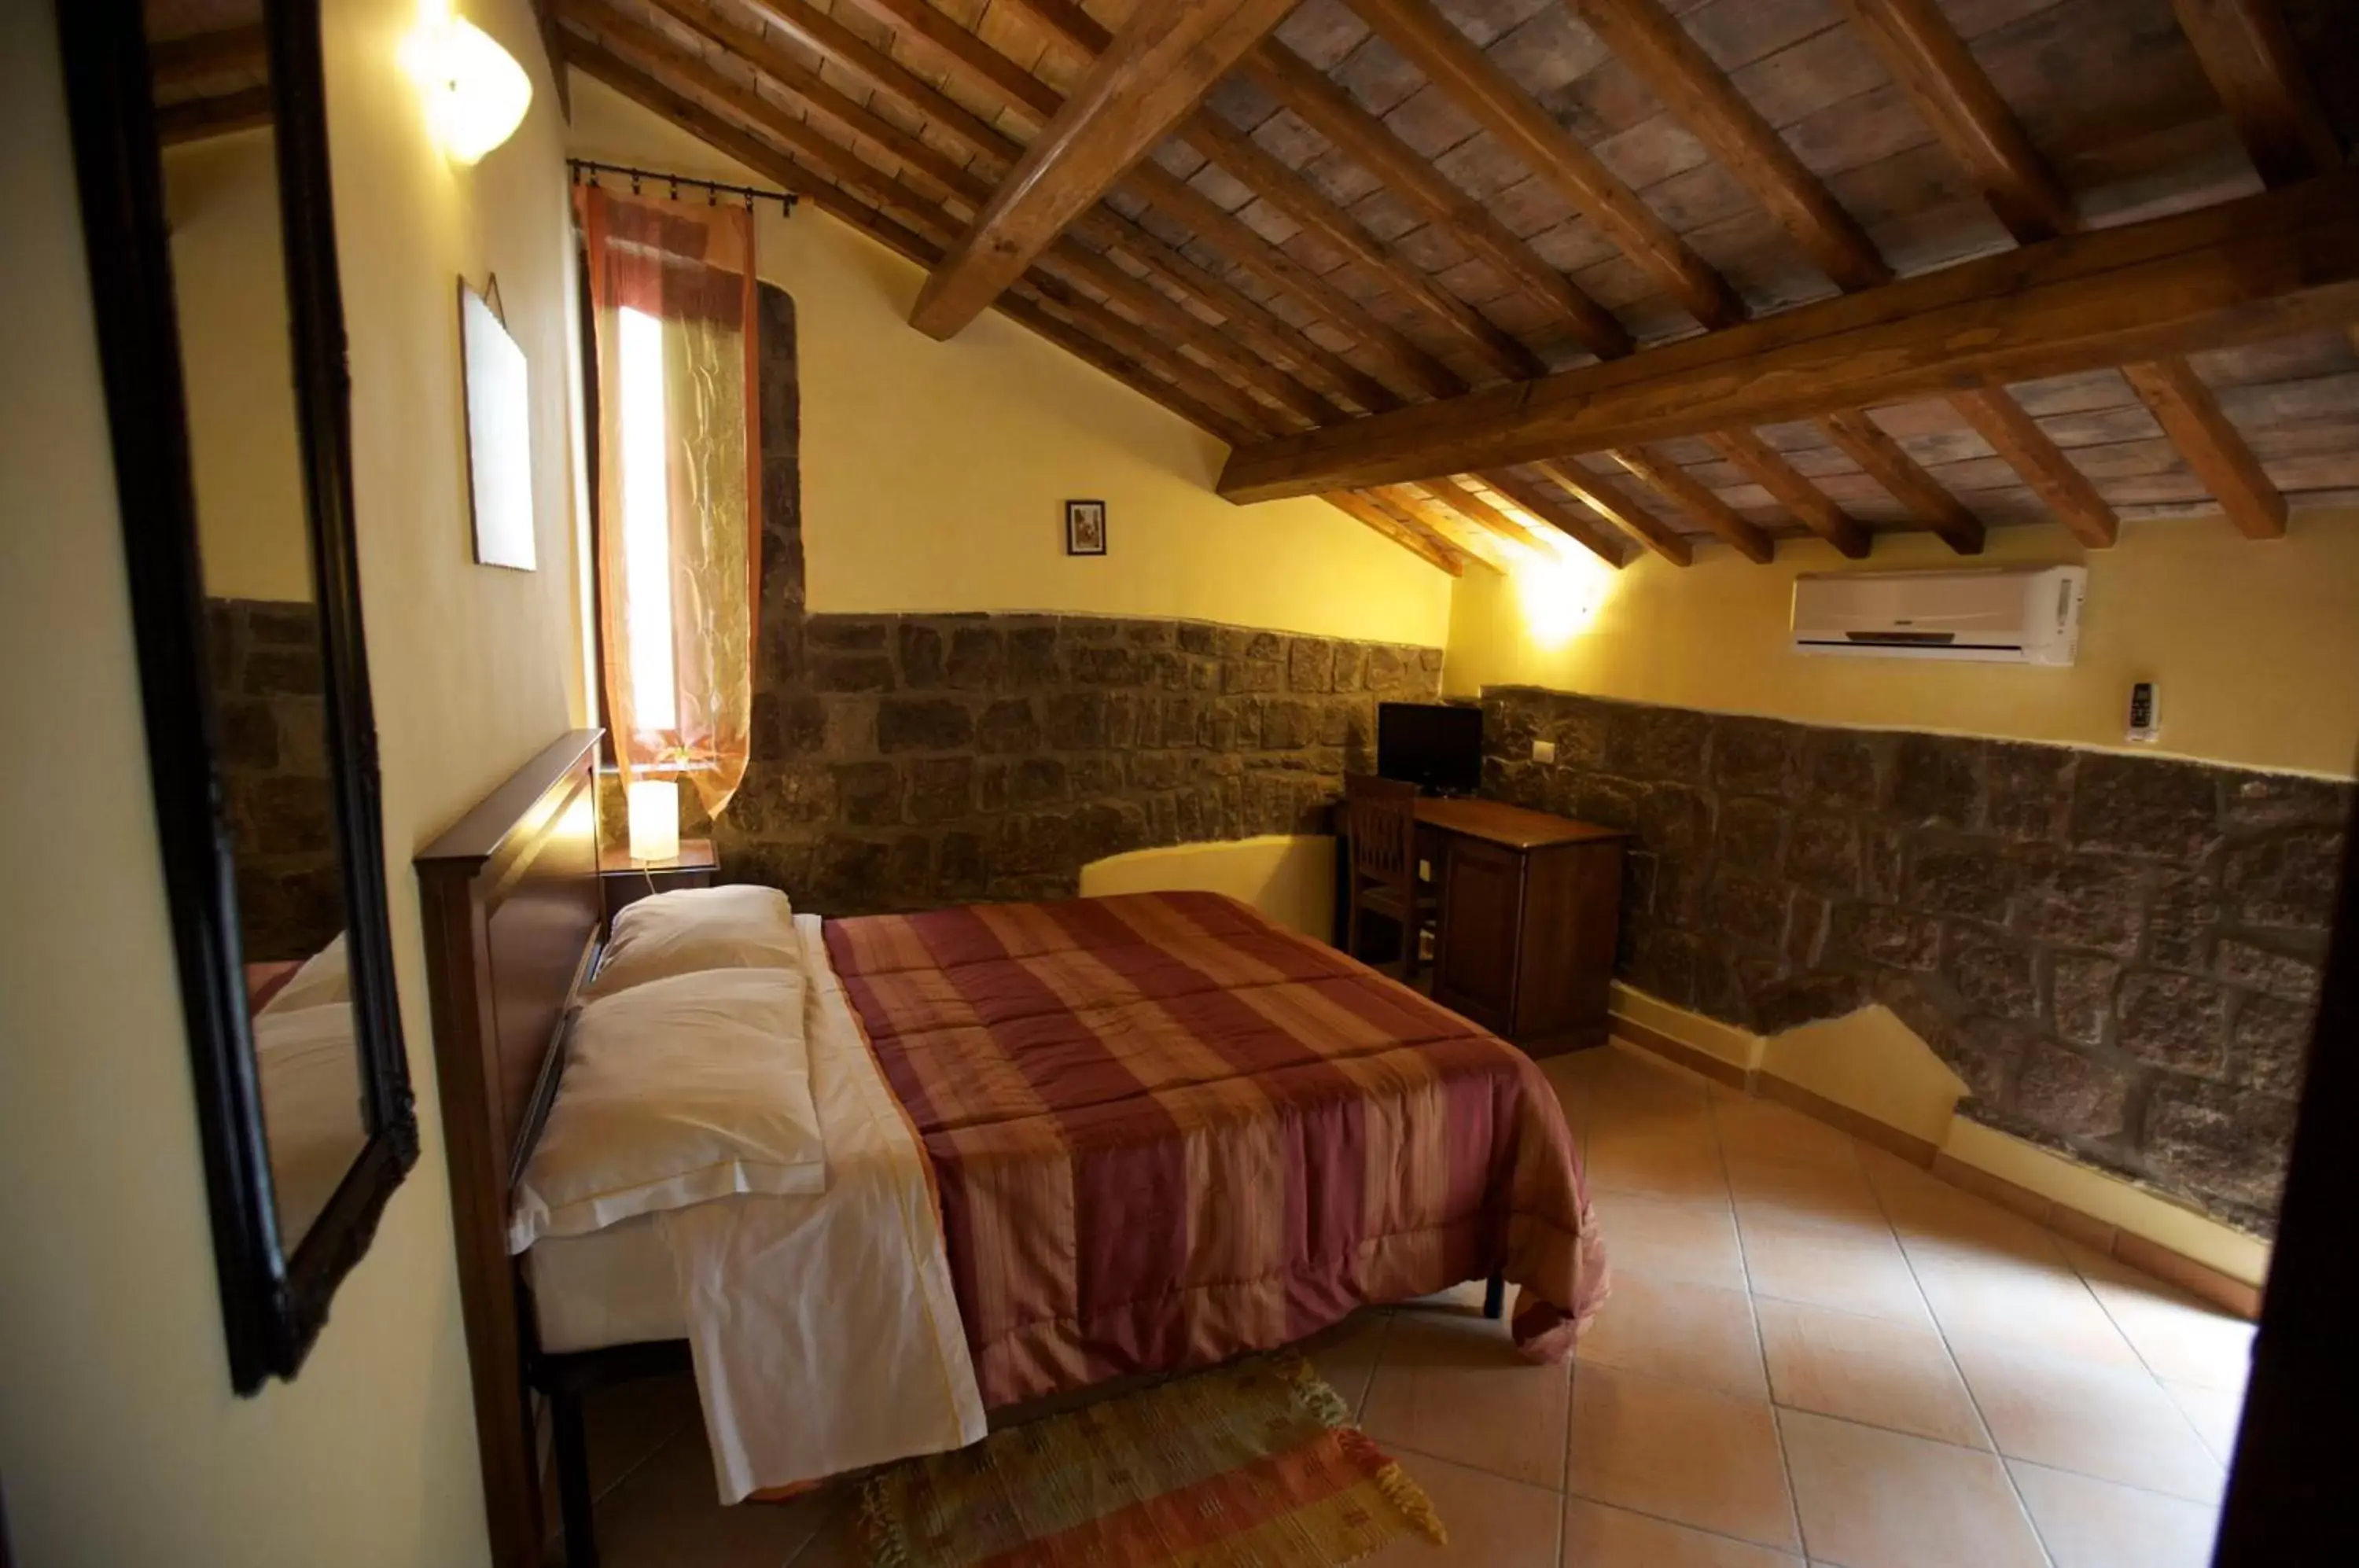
1166 1131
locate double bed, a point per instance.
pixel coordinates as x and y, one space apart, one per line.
1150 1132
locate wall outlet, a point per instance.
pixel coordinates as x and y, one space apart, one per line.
2145 712
1543 751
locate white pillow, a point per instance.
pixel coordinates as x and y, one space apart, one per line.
676 1092
741 927
324 978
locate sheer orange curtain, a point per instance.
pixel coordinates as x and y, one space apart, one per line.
678 487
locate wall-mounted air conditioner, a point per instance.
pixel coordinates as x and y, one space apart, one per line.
2008 615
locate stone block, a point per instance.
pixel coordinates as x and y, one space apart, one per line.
1844 768
2064 1092
1195 636
1989 1054
1122 720
2029 791
247 736
2293 975
853 672
1253 675
941 789
1746 909
1965 879
1608 802
2271 1040
869 793
1288 724
847 633
285 672
1822 854
1880 934
284 816
1384 674
1100 775
2286 881
1079 631
922 656
1648 742
850 874
1151 634
1032 661
1750 836
923 723
2283 800
2224 1142
1674 818
1037 781
1663 963
1995 977
1108 665
1803 1000
959 866
2148 806
976 660
2082 988
1007 725
1756 756
2182 913
1350 666
1936 781
2174 1022
2086 900
1310 664
1076 721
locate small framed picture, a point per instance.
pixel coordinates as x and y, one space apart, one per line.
1086 527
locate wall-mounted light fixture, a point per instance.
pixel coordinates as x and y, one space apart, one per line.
476 93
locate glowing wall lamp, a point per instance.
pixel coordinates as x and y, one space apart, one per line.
476 93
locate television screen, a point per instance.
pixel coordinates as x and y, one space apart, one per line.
1436 745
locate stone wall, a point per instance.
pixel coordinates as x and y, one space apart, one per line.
268 684
2119 955
903 761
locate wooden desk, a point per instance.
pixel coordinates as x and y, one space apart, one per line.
1529 907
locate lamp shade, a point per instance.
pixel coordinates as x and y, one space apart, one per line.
476 93
655 820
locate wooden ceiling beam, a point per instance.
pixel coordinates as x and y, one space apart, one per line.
2190 417
2256 67
1158 69
195 119
1687 492
1886 462
917 22
1312 360
1792 490
1651 41
1968 117
1999 420
1410 534
2266 266
1410 502
1601 496
1534 498
1450 493
1291 194
177 63
1451 61
1368 142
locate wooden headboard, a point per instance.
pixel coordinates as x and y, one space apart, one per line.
512 923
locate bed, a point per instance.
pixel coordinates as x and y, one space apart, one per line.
1161 1131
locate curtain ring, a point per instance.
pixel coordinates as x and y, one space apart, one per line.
675 187
635 183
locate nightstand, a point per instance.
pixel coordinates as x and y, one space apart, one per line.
626 881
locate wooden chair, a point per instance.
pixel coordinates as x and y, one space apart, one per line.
1380 821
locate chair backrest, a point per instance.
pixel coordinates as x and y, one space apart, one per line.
1381 816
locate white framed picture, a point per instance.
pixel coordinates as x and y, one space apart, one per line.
499 435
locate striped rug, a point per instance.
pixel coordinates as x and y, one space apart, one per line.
1256 1462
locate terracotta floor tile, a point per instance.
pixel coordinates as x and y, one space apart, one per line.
1871 1498
1491 1521
1870 1370
1346 1356
2180 1339
1932 1216
1688 1455
1668 1240
2215 1414
1683 1166
1857 1272
1802 1194
627 1422
1572 1090
2113 1422
1598 1537
667 1514
1459 1391
2006 1296
2096 1524
1768 1130
1669 1328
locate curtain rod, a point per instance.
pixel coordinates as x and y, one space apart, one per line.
589 169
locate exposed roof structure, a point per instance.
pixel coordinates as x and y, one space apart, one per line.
1656 272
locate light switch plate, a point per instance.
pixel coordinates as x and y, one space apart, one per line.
1543 751
2145 712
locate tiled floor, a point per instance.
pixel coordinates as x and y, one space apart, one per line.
1814 1352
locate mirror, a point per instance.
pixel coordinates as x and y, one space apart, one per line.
201 144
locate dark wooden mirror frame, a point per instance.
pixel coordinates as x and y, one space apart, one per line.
273 1304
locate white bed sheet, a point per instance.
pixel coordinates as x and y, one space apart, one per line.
824 1329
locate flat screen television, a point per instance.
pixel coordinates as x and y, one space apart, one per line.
1435 746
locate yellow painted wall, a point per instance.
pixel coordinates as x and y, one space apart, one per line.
2256 645
229 288
120 1441
934 474
1290 877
